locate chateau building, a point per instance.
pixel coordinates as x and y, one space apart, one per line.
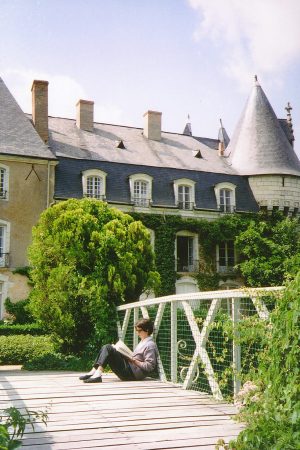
48 159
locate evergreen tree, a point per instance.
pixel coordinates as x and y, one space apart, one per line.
87 258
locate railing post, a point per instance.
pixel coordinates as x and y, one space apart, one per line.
174 342
135 319
236 348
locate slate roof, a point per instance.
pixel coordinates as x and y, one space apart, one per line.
175 156
259 144
17 134
69 183
174 150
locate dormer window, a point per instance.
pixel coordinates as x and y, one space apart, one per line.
184 191
3 182
141 190
94 184
225 196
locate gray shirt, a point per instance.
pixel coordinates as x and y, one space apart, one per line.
146 353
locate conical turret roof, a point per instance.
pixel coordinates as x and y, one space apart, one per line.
259 145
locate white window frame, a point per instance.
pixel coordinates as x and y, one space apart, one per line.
227 268
4 189
190 184
191 267
6 243
143 201
94 173
230 187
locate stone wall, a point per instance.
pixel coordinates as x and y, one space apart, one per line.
281 191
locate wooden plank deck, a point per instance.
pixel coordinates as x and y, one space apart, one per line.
144 415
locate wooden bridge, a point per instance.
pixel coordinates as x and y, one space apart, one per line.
142 415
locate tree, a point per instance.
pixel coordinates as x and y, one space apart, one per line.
87 258
266 248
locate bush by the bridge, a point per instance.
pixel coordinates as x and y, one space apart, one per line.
273 415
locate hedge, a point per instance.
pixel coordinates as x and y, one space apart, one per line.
58 361
30 328
19 349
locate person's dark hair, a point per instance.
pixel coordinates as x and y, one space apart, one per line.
145 325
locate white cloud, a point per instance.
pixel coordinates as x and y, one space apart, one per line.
64 93
108 114
257 36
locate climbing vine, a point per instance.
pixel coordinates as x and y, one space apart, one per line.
265 245
209 232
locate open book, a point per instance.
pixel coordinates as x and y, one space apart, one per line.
122 348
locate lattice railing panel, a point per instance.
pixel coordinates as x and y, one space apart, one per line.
207 341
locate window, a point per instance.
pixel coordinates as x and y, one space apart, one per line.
3 253
225 257
184 197
94 184
186 252
184 191
140 193
141 190
3 182
225 200
225 196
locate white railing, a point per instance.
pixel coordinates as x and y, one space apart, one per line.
186 332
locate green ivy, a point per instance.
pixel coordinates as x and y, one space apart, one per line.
268 247
210 233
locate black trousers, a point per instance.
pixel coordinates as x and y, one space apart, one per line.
108 355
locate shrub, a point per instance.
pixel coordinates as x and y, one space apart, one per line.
273 420
19 310
31 328
18 349
58 361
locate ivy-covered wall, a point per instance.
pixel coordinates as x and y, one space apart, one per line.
210 234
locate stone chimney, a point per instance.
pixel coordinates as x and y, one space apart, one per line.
40 108
152 125
85 115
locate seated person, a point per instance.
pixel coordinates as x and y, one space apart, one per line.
142 363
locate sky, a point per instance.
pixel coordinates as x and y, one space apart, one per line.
179 57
